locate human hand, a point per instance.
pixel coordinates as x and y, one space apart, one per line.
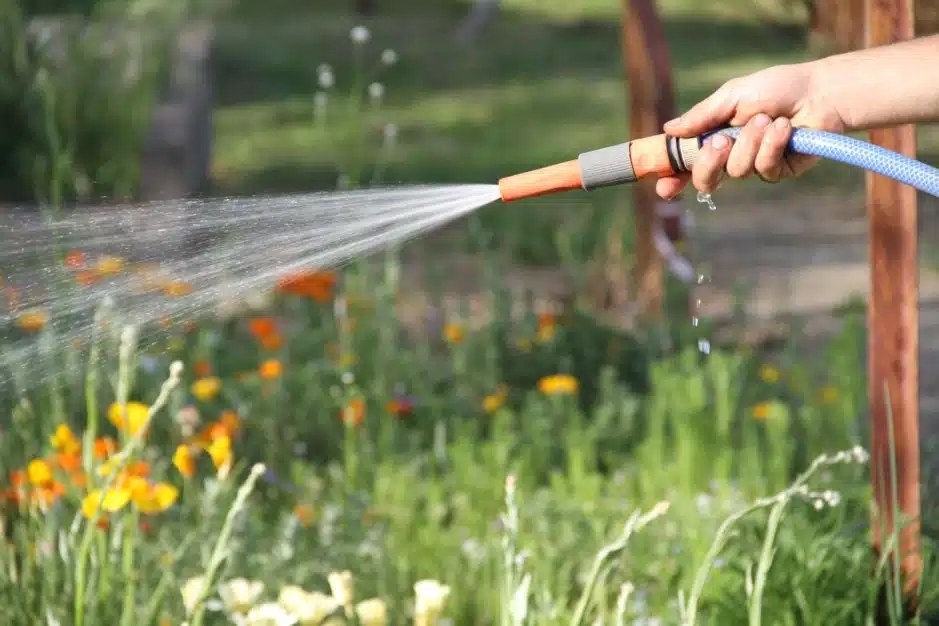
768 104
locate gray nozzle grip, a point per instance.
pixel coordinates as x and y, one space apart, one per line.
606 167
688 149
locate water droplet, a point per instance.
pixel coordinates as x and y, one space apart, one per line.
705 198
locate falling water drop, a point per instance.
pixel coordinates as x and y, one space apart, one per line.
704 345
705 198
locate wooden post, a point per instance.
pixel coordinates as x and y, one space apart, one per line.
893 332
652 103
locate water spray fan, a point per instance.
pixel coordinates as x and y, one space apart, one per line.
662 155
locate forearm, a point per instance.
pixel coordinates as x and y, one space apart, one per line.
883 86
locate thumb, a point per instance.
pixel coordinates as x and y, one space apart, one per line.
712 112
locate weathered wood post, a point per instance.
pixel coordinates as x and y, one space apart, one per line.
893 326
651 104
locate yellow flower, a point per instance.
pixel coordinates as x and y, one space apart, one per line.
762 411
33 321
559 384
136 415
430 599
207 388
829 394
114 500
372 612
453 333
151 499
340 584
184 461
110 265
39 472
220 451
270 369
547 328
64 441
177 289
769 374
493 401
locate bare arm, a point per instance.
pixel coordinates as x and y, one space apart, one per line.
883 86
861 90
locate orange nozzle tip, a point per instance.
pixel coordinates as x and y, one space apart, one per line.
547 180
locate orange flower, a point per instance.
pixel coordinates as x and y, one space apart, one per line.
202 369
547 327
85 278
354 413
33 321
75 259
262 327
305 514
271 369
212 432
272 342
315 285
762 411
453 333
104 447
177 289
69 462
231 422
47 494
399 406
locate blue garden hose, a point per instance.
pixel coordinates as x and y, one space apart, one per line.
850 151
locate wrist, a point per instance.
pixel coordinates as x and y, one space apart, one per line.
829 106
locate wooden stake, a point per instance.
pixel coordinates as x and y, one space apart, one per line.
652 103
893 327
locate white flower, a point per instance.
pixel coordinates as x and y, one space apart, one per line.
191 590
430 598
340 584
390 133
360 35
240 594
268 614
310 608
372 612
376 91
326 79
389 57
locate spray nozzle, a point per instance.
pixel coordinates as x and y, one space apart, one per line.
660 155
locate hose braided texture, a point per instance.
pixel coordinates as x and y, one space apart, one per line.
858 153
